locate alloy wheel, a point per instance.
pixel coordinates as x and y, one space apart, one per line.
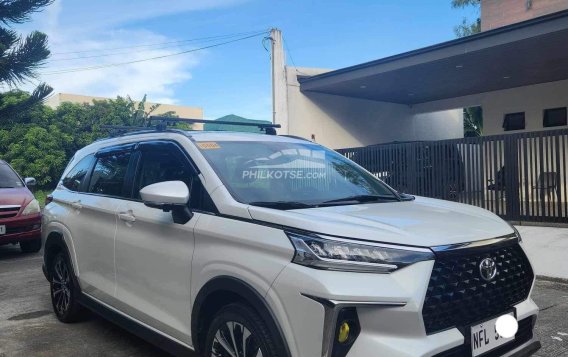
233 339
61 287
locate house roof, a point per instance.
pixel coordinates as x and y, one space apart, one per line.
521 54
237 119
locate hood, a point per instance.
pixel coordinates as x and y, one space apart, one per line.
423 222
15 196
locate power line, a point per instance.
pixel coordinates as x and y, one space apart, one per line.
291 58
80 69
133 52
127 52
163 43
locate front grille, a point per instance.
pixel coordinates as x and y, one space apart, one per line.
9 211
457 296
523 335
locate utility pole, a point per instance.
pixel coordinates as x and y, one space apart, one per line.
279 90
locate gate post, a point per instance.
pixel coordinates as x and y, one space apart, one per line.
511 160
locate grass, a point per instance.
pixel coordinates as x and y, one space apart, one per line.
40 195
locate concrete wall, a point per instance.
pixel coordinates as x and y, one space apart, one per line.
532 100
340 122
497 13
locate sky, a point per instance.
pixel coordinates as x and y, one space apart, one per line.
233 78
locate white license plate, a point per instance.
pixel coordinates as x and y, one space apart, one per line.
484 337
2 229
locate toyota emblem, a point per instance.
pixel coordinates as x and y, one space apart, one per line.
488 269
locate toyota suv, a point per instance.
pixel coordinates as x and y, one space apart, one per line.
243 244
20 217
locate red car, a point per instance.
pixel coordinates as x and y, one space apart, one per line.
20 214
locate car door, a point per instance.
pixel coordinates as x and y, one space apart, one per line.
92 220
153 254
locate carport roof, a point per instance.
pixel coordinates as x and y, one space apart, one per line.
525 53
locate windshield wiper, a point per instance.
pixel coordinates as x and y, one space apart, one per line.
360 199
7 187
281 204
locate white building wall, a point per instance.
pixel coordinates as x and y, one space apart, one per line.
340 122
532 100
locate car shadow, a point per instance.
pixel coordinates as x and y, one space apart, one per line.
13 252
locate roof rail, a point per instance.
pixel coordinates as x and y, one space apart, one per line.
164 122
269 129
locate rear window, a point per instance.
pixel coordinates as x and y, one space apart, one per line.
75 178
8 178
109 173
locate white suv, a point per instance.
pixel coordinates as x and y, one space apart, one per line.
248 245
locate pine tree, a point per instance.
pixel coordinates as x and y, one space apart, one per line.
20 57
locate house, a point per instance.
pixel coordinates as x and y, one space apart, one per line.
519 69
412 103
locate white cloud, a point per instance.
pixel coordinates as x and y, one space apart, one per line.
100 25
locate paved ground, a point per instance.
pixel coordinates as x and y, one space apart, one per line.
547 248
29 328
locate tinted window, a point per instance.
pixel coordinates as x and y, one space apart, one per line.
74 179
162 162
554 117
8 178
166 162
514 121
109 173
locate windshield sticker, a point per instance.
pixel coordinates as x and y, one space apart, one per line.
208 145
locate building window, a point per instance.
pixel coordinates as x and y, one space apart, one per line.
554 117
514 121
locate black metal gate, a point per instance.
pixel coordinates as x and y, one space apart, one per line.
520 177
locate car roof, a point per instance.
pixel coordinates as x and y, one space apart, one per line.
201 136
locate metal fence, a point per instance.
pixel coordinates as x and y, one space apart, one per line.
520 177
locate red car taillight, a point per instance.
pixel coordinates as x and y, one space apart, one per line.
48 199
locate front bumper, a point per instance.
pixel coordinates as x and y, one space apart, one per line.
389 308
21 228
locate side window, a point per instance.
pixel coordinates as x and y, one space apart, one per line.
74 179
109 173
161 162
165 162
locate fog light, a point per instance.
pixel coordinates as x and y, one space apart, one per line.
343 335
347 330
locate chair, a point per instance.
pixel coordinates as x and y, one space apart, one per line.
547 183
499 183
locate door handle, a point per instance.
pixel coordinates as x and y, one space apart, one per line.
76 205
127 217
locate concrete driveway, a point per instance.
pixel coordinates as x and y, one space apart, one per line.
29 328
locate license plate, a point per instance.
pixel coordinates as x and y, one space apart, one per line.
2 229
484 337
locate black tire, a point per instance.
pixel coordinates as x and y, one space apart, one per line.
30 246
64 291
241 318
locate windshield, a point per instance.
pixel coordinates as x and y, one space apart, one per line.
8 178
268 172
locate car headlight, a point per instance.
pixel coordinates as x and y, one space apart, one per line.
517 233
31 208
331 253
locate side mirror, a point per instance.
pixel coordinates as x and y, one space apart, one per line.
169 196
30 181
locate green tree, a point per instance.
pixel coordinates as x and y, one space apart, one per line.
473 121
40 141
467 28
20 57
